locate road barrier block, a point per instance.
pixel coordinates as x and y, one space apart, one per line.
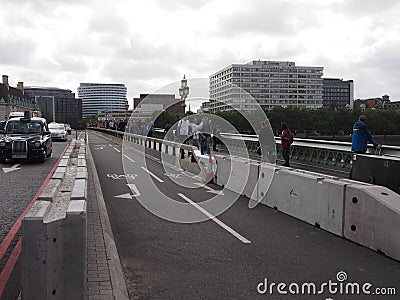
265 177
74 231
372 218
250 190
223 169
79 189
310 198
50 190
54 237
240 170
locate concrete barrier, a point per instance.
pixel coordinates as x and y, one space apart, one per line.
372 218
314 199
54 235
223 169
250 189
238 174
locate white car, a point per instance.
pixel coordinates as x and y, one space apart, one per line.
57 131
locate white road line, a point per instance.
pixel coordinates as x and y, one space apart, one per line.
220 223
117 150
127 157
160 180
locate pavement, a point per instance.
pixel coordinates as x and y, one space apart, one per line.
104 275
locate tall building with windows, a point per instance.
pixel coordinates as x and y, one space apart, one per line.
100 98
67 109
338 93
270 83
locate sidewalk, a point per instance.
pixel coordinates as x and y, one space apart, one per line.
104 276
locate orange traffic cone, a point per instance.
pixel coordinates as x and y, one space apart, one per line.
209 171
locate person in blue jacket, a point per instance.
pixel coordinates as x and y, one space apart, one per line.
361 136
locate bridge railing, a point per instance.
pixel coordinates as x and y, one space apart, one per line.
168 147
320 154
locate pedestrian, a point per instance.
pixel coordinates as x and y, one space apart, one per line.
183 128
361 137
267 148
205 136
286 140
195 132
216 136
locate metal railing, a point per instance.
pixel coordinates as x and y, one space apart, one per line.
319 154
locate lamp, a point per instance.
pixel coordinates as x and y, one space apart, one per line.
183 91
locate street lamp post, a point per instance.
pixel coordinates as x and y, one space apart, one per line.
183 91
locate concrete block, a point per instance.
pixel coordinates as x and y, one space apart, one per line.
82 174
314 199
238 175
79 190
250 189
74 260
34 252
58 175
265 177
372 218
50 191
63 162
223 169
61 169
81 162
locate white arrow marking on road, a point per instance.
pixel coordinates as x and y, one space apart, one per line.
134 189
13 168
220 223
209 189
99 148
124 196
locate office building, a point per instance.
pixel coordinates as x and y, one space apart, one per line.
102 98
338 93
67 109
270 83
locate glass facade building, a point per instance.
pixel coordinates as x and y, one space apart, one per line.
338 93
270 83
99 98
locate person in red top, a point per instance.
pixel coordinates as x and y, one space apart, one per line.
287 139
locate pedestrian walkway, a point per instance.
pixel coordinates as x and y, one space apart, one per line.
104 277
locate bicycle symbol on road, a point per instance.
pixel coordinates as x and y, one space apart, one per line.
122 176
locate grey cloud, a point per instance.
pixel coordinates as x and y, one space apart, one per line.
144 70
358 8
171 5
273 18
17 51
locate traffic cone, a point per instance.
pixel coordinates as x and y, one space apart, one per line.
209 170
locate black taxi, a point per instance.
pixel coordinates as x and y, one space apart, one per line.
26 138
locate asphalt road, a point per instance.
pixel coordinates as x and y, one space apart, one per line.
229 257
20 181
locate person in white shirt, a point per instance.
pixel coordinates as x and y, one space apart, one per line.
183 128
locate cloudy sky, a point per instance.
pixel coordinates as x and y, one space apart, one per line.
149 44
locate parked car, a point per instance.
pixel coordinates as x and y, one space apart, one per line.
26 138
68 128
